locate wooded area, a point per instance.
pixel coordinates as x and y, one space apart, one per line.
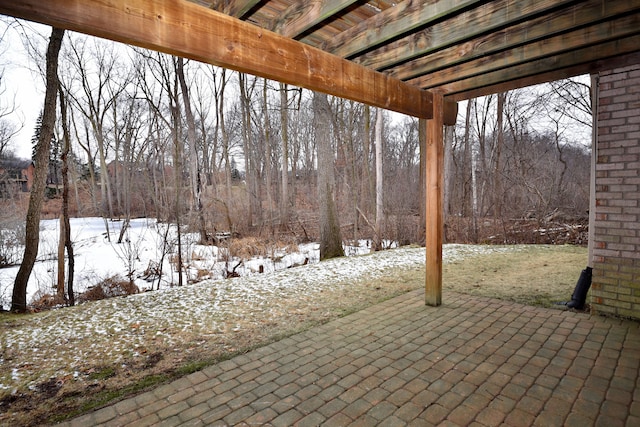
214 150
127 116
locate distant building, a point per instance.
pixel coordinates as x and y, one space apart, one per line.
16 176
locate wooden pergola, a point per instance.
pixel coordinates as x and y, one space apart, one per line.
414 57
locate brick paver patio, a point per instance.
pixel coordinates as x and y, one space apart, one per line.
473 361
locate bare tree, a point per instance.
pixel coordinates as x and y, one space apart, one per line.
65 223
196 177
268 154
377 238
99 78
246 92
8 127
32 228
497 167
330 236
284 123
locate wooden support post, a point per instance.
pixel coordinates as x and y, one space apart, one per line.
434 199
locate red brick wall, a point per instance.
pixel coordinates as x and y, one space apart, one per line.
616 246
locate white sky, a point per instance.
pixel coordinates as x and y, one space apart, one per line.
27 87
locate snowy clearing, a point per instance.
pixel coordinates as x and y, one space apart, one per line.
98 258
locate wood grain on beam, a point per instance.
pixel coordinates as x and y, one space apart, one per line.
578 61
301 16
185 29
473 23
582 38
527 32
392 23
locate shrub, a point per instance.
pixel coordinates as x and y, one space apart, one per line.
11 243
110 287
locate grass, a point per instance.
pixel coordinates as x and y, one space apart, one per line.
535 275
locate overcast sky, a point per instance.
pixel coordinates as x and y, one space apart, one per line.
21 84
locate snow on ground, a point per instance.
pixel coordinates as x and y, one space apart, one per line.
98 258
43 346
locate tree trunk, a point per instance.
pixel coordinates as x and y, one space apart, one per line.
377 238
66 224
196 179
284 121
448 173
60 272
246 132
367 185
177 174
225 139
32 226
330 237
497 172
422 143
267 159
474 179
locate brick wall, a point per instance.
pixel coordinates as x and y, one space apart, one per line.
616 245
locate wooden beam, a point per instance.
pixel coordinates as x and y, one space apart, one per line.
301 16
585 37
450 113
468 25
185 29
393 23
532 31
434 203
618 61
573 62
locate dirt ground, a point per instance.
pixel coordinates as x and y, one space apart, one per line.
538 275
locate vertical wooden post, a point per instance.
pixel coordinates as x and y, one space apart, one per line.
434 203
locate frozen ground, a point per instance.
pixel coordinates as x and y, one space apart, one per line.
65 344
98 258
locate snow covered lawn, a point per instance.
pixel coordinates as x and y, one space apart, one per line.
67 344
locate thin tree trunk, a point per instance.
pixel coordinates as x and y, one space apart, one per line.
36 198
177 165
497 172
118 162
474 180
448 173
246 132
66 150
178 189
225 140
377 238
267 160
60 272
422 143
284 120
367 184
448 165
